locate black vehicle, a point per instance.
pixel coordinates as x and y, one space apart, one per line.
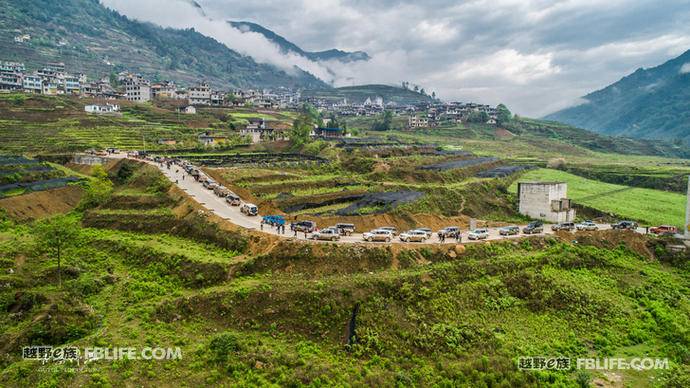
625 225
303 226
345 229
533 227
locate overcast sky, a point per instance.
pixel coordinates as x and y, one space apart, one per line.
536 56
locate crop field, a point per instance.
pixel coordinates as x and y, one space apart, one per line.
652 207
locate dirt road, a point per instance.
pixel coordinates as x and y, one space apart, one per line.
232 214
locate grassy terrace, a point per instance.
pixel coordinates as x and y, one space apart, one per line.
650 206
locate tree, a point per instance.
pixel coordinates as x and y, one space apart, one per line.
503 114
433 95
54 235
478 117
98 189
301 129
384 124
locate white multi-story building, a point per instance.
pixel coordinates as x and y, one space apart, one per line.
200 94
546 201
137 89
32 84
418 121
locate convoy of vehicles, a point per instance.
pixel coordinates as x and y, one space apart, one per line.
625 225
509 231
273 220
663 230
387 233
378 235
587 225
567 226
478 234
328 234
391 229
345 229
534 227
449 232
303 226
249 209
414 236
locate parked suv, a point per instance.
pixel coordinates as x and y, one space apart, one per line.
378 235
303 226
221 191
478 234
568 226
233 199
509 231
392 229
628 225
449 232
249 209
533 227
587 225
345 229
328 234
413 236
428 232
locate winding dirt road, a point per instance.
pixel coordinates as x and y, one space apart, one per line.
232 214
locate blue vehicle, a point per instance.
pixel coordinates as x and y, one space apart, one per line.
273 220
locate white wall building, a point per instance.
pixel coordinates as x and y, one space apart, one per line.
101 109
137 90
546 201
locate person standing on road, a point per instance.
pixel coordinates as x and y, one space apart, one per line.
458 237
261 225
295 230
442 237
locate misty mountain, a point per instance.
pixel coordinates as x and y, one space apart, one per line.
288 47
649 103
93 39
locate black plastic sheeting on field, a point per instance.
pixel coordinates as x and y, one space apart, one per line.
12 160
251 158
25 170
458 164
40 185
503 171
386 200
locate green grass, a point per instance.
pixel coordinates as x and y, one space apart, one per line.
653 207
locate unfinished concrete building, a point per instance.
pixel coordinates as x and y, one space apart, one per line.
547 201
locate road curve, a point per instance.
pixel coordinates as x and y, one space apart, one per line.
219 207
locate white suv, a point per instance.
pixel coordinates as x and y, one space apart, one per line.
478 234
378 235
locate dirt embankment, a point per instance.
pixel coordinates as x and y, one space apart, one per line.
42 204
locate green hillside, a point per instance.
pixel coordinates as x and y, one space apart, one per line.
93 39
649 103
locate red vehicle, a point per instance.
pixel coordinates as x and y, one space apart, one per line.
663 230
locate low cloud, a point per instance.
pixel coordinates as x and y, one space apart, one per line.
685 68
533 55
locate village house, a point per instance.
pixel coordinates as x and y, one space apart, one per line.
415 121
165 89
209 139
188 110
200 94
102 109
137 89
329 133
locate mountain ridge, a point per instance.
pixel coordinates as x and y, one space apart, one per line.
649 103
96 40
287 46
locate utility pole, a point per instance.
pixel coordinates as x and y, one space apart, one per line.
686 232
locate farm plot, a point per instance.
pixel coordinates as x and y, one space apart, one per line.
19 175
252 159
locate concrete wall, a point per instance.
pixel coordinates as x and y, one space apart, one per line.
536 198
